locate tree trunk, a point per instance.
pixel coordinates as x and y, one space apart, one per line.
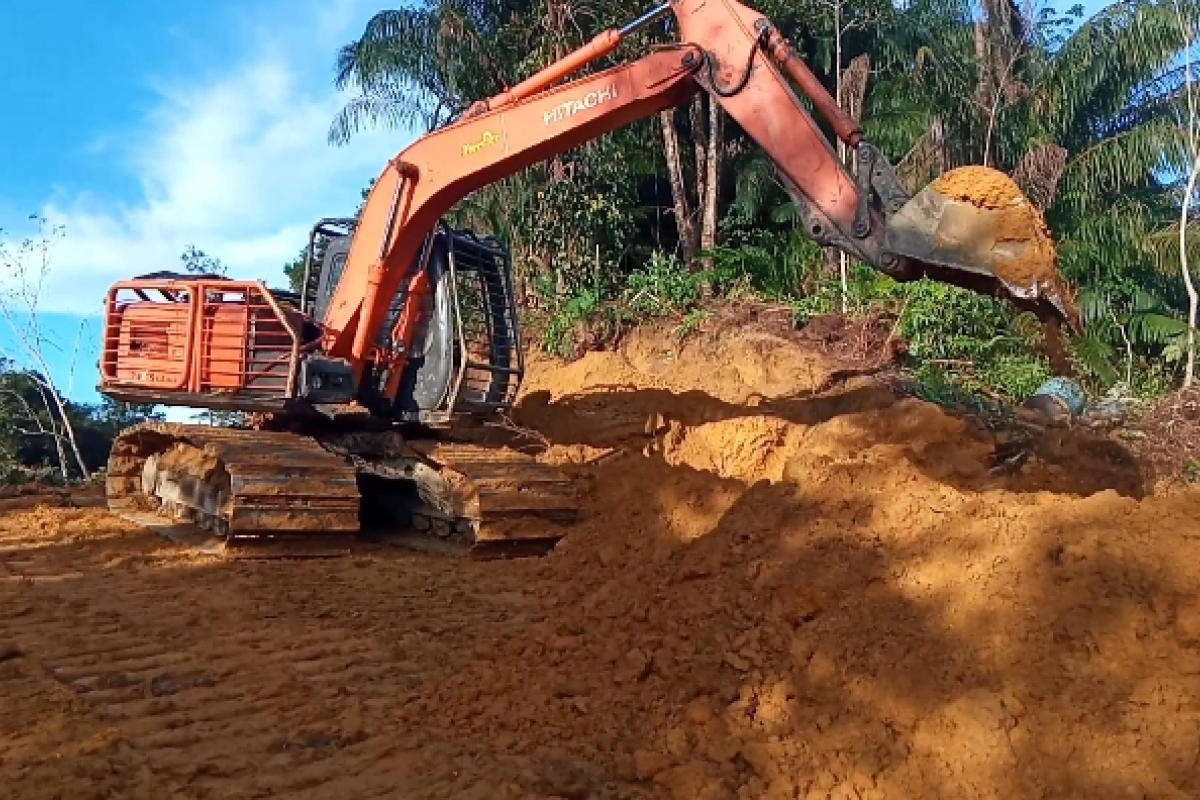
937 138
712 175
699 126
700 142
1189 375
983 90
70 433
684 222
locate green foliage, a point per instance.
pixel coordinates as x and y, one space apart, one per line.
777 265
30 422
664 287
201 263
1137 340
294 270
956 338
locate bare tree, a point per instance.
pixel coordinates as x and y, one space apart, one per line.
1002 37
1188 29
713 162
696 207
25 268
850 95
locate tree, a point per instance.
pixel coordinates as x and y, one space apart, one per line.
1187 29
26 266
200 263
294 270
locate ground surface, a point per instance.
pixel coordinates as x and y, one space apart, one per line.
774 594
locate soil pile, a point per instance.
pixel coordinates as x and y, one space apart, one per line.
789 583
1016 221
846 595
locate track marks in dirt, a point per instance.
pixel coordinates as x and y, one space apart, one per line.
210 707
305 679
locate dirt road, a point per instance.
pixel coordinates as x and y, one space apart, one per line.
774 594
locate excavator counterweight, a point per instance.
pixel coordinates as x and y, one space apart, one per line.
366 390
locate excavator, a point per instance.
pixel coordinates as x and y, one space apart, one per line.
365 390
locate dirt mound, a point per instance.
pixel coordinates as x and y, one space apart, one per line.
1169 436
847 594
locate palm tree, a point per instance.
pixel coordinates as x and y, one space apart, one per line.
420 66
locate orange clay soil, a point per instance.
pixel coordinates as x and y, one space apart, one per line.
773 594
190 460
1016 220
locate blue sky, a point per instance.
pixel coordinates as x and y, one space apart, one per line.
142 126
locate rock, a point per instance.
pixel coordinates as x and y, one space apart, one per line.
737 662
795 607
821 669
634 667
1187 618
801 652
696 780
648 763
759 757
844 791
702 560
782 788
9 651
826 780
678 744
700 712
566 780
1013 705
164 685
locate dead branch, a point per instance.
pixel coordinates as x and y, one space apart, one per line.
506 424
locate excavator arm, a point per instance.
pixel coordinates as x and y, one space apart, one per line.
738 57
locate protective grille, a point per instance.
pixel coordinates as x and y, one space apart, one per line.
488 357
218 337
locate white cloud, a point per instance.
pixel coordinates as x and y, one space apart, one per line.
236 163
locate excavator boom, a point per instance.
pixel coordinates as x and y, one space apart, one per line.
740 59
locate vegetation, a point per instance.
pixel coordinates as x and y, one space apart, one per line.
1090 116
32 445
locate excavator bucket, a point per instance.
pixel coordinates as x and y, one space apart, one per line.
976 229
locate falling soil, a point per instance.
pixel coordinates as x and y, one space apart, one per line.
784 586
1016 221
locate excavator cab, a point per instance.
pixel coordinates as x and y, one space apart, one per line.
466 355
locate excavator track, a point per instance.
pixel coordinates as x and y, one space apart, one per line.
279 494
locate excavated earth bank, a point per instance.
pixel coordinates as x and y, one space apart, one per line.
775 594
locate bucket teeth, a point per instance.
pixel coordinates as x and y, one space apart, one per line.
248 488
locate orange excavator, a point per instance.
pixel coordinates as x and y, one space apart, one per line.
367 386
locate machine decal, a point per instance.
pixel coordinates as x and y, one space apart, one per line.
570 108
486 140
